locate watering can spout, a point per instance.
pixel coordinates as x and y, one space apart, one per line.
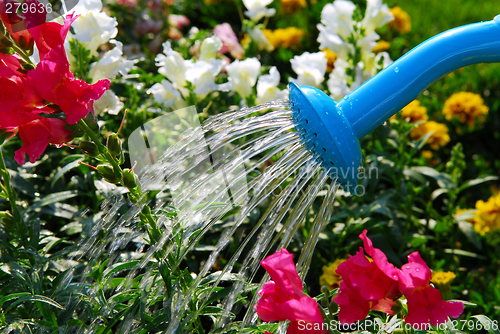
370 105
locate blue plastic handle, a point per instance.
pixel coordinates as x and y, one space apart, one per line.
400 83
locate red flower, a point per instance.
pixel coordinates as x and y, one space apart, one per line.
366 285
283 299
55 83
425 303
14 23
36 135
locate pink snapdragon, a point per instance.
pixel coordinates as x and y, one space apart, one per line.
366 285
51 87
229 40
375 285
425 304
283 299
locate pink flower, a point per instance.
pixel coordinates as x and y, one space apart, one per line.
47 35
36 135
425 303
229 39
14 23
283 299
55 83
366 285
178 21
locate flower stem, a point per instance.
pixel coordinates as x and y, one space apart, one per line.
11 194
22 54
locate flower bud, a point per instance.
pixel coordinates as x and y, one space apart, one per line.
333 307
114 145
130 179
89 148
108 173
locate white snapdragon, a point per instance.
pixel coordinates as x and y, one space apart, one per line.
93 28
257 9
337 27
310 68
243 75
209 48
173 66
109 103
376 15
166 94
267 87
202 74
260 39
111 64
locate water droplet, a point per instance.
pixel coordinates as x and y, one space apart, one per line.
346 97
350 103
417 269
396 69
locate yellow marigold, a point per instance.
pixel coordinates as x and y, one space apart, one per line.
487 218
330 278
439 136
414 112
331 57
401 22
443 277
381 46
287 38
467 106
427 154
292 5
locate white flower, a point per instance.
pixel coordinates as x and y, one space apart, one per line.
260 39
310 67
209 48
108 102
243 75
201 74
267 87
257 9
172 66
93 28
337 83
337 17
376 15
329 40
166 94
111 64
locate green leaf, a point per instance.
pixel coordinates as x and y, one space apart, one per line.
474 182
119 267
53 198
7 298
63 170
35 298
490 325
468 230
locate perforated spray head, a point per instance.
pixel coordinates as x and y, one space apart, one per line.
327 133
331 130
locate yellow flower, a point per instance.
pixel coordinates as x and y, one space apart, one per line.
401 22
331 57
442 280
427 154
381 46
287 38
292 5
330 278
487 218
414 112
245 40
443 277
439 136
467 106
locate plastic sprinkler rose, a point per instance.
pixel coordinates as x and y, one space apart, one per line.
331 130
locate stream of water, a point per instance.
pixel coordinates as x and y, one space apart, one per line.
239 162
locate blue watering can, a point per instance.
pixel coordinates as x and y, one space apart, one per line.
331 130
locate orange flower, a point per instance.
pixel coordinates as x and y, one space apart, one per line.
401 22
467 106
439 137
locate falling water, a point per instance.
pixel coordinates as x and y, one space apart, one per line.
205 172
